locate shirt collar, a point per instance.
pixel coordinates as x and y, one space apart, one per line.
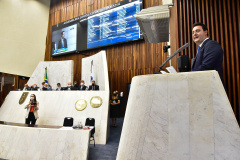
202 42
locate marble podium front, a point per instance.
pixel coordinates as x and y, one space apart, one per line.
25 143
184 116
54 106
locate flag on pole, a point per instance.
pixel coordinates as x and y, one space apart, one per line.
45 76
92 72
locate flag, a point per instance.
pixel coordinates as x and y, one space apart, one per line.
92 72
45 76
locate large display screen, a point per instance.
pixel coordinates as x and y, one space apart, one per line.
107 26
113 26
64 40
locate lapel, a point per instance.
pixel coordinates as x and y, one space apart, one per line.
200 51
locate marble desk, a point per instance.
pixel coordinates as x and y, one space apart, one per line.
183 116
54 106
25 142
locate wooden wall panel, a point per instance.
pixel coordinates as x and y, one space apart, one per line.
124 60
222 19
18 84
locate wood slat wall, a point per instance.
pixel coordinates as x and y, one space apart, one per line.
124 60
222 19
9 87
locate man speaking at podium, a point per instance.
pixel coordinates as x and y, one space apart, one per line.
209 54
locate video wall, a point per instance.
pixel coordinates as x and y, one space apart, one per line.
107 26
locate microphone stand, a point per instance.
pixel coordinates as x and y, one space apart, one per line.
174 54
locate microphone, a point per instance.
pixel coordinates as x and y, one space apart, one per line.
174 54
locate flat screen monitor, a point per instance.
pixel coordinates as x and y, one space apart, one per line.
103 27
111 25
64 40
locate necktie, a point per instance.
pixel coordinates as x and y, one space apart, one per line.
198 49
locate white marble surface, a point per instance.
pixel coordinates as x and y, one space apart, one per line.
179 116
57 72
25 143
55 105
100 70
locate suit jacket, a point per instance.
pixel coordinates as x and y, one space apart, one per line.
69 88
27 88
47 89
34 88
60 43
83 88
96 87
59 89
209 57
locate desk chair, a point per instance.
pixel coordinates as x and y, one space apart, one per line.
68 122
91 122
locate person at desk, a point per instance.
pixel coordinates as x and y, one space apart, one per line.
114 108
62 43
75 85
59 88
82 86
31 113
209 54
46 87
70 87
26 87
43 84
34 87
93 87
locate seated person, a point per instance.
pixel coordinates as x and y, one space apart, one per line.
34 87
59 88
43 84
46 87
69 87
93 87
75 85
82 86
27 88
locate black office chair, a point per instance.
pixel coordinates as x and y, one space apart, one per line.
68 122
91 122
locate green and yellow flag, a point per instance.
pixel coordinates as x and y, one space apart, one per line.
45 76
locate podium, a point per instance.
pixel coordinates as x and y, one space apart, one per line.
179 116
43 142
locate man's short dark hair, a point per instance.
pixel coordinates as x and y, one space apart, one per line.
204 27
62 33
58 84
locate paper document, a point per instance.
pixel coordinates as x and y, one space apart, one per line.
171 69
163 72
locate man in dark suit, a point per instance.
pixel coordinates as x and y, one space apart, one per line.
27 88
93 87
59 88
82 86
75 85
34 87
62 43
210 54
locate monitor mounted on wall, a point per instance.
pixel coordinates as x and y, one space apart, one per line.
107 26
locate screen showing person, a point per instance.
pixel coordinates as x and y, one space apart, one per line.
64 40
62 43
